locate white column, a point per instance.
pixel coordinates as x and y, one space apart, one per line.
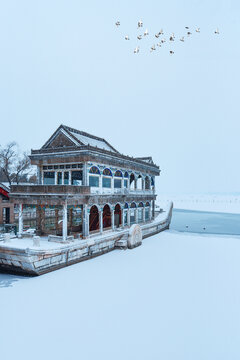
64 223
55 177
20 220
112 215
85 219
144 218
129 214
101 220
150 211
100 184
70 178
122 213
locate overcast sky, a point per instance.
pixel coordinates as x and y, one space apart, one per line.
66 62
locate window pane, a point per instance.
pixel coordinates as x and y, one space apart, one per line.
106 182
132 216
49 178
140 215
147 213
126 183
76 177
94 181
59 178
66 178
125 217
117 183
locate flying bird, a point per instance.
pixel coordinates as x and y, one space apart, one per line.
187 27
139 37
157 35
146 32
171 38
153 48
189 33
182 39
117 23
171 52
198 30
159 44
127 37
161 32
140 23
136 50
163 41
216 31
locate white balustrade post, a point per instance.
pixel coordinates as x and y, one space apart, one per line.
64 223
144 217
20 220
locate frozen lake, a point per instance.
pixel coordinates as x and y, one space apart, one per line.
175 297
205 222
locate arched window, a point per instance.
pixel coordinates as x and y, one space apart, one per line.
132 182
147 183
106 216
94 178
118 173
94 170
133 213
106 180
126 206
152 182
140 212
126 175
117 216
94 219
147 211
139 182
107 172
118 181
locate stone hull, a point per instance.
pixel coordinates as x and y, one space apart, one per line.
36 262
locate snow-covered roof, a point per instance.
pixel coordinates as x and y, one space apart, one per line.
79 138
86 140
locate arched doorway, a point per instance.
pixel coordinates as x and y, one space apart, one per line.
106 217
117 216
94 219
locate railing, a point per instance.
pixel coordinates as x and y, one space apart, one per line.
49 189
110 191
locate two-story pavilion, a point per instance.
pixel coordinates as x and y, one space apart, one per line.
88 184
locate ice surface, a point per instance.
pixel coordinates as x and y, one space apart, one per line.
174 298
216 203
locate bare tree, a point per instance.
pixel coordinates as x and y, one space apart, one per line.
13 164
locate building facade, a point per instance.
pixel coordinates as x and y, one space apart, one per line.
87 185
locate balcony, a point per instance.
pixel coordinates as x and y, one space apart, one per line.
49 190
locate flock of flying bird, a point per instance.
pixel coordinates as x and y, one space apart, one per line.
159 36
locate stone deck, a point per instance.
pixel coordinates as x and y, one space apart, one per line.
20 256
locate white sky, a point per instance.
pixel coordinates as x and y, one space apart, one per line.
65 62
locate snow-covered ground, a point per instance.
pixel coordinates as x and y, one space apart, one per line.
217 203
174 298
